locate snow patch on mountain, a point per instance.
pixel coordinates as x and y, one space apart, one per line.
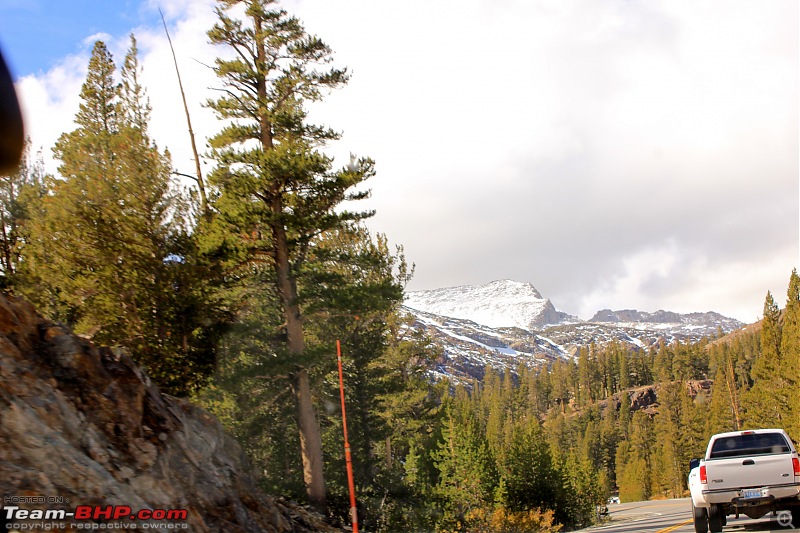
468 348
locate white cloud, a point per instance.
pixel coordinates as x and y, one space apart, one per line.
644 267
91 39
615 154
51 100
665 277
49 103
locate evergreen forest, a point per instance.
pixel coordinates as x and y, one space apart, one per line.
233 289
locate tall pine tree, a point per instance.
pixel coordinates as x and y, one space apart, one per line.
466 467
20 200
110 254
720 416
277 191
766 402
790 353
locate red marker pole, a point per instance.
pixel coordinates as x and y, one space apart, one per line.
347 458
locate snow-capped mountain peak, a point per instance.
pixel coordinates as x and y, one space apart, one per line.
507 323
503 303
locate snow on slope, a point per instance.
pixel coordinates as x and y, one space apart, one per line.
506 323
469 348
497 304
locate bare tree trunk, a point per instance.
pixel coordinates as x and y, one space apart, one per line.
731 383
7 267
200 183
310 441
308 426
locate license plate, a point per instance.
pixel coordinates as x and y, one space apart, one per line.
751 493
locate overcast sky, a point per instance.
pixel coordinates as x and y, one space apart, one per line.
614 153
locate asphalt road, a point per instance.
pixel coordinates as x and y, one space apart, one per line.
671 516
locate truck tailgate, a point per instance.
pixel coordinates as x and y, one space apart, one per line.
755 471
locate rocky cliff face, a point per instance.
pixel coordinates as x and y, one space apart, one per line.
83 426
646 398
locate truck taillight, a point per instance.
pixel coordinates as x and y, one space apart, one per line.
796 465
704 476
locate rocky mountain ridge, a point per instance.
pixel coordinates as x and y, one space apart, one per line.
660 318
507 323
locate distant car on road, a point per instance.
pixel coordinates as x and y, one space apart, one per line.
613 499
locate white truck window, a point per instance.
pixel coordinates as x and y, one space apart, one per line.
749 444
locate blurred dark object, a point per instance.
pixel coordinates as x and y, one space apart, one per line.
12 136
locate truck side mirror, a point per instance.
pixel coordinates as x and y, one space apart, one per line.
694 463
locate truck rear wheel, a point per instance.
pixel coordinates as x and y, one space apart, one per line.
715 519
700 519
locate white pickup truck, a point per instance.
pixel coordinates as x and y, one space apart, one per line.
745 472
